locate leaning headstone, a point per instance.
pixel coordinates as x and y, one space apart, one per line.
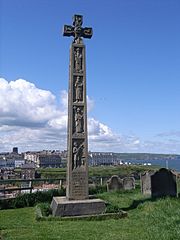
128 183
163 183
114 184
146 182
76 201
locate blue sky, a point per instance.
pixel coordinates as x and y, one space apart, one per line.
133 73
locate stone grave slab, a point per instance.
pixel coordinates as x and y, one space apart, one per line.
128 183
146 182
114 184
164 183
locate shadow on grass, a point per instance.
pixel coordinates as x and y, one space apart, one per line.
136 203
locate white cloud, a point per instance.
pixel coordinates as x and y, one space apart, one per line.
34 119
23 104
31 118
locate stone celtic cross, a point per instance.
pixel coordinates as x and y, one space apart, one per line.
76 30
76 202
77 144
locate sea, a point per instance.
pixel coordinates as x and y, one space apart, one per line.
173 164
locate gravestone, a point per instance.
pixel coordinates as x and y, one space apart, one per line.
128 183
163 183
76 201
146 182
114 184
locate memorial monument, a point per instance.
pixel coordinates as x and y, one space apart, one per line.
76 201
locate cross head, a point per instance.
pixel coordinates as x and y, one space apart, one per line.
77 31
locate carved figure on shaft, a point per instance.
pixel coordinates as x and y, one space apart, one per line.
78 89
78 60
78 21
79 121
77 154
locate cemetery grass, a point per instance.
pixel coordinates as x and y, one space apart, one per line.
100 171
147 219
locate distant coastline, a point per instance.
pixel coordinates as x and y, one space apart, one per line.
147 156
171 161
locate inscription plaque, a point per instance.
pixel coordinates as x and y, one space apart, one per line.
78 184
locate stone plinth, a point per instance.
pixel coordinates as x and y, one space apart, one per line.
62 207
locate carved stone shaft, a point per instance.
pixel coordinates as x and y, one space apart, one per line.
77 172
77 164
76 202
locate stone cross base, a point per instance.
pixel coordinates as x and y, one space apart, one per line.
62 207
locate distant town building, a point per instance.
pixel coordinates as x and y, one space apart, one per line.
44 158
15 150
2 162
28 171
10 162
103 158
10 159
8 173
64 154
19 163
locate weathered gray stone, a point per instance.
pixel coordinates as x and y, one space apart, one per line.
77 165
128 183
146 182
163 183
61 206
114 184
160 183
76 201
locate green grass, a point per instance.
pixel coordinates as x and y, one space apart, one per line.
101 171
122 170
147 219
